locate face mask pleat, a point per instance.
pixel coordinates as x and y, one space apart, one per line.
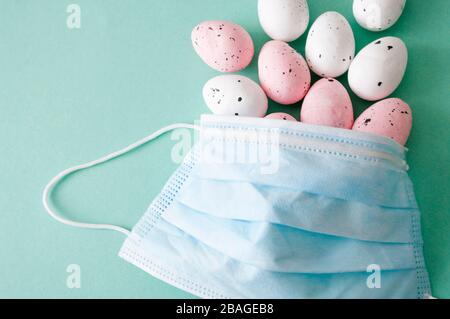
189 258
310 212
348 179
286 249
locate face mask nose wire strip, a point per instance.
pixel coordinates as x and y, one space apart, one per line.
55 180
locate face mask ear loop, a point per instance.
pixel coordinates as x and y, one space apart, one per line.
55 180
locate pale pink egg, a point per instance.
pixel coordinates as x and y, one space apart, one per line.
281 116
224 46
391 118
283 73
328 103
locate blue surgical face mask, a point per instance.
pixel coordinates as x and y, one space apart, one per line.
274 209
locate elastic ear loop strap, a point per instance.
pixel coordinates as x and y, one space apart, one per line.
55 180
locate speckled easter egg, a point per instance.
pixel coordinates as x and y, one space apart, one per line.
284 20
281 116
377 15
391 118
328 103
330 46
224 46
235 95
283 73
378 69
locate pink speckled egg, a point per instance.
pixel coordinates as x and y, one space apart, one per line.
391 118
328 103
281 116
224 46
283 73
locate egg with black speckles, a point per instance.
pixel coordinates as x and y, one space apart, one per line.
378 69
328 103
235 95
330 45
224 46
377 15
283 73
281 116
284 20
391 118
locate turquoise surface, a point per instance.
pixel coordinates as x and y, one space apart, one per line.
71 95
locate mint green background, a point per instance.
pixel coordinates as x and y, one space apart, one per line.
69 96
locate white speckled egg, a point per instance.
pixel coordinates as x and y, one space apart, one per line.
235 95
224 46
391 118
377 15
284 20
378 69
330 45
281 116
328 103
283 73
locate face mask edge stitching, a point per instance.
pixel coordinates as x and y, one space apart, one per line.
318 150
310 135
156 209
193 287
